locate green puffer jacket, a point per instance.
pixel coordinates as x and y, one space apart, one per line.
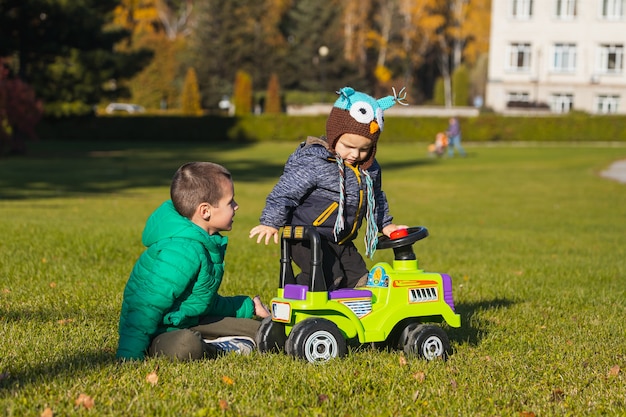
174 282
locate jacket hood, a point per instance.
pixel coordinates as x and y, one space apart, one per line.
165 223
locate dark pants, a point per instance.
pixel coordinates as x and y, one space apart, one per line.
342 265
188 344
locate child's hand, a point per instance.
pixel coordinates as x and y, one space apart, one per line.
259 308
264 232
387 230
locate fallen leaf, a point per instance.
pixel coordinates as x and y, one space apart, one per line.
85 400
402 360
558 395
419 376
227 380
453 383
614 371
152 378
416 395
63 322
47 412
53 285
321 398
527 414
6 291
223 404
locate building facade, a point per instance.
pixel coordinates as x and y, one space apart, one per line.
557 56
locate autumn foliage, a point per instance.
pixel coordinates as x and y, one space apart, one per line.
242 95
272 99
20 111
190 97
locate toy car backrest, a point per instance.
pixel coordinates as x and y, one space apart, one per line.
291 233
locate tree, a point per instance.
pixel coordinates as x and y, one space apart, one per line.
242 95
66 51
190 98
161 26
20 111
272 99
230 36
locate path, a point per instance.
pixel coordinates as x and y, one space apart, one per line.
617 171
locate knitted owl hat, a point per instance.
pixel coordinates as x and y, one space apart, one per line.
359 113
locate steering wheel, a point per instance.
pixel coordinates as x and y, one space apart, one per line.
402 245
413 235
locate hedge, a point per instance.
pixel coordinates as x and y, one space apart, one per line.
484 128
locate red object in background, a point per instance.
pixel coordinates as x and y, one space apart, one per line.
397 234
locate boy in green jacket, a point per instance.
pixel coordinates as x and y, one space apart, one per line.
171 306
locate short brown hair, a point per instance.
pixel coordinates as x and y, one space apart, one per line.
195 183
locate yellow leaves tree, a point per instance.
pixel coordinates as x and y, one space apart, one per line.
242 93
476 27
190 97
272 99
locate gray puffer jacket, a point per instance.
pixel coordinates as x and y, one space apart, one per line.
307 193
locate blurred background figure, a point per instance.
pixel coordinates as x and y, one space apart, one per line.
454 137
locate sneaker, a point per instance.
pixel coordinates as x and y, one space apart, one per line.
238 344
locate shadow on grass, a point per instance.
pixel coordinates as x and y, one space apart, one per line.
69 367
54 169
470 333
78 168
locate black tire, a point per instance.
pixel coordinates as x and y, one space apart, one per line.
317 340
400 341
428 342
271 336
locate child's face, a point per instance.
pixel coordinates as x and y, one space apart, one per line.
222 215
353 148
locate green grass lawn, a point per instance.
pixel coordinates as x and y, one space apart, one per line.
534 239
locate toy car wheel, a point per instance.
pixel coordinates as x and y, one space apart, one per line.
428 342
316 340
271 336
403 336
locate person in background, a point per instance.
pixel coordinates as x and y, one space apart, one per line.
171 306
454 137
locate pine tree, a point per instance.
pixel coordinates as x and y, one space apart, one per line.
242 95
272 99
191 94
461 86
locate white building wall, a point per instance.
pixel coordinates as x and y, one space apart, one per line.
539 82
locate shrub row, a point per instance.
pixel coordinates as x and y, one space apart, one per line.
484 128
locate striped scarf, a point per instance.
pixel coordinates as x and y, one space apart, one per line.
371 234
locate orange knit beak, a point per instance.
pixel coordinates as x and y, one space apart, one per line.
374 127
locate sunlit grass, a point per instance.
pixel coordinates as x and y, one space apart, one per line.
534 239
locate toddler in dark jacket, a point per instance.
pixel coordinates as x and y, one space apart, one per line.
334 183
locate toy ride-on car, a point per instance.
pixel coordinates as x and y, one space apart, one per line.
395 309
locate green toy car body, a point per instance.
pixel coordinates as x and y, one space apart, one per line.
395 308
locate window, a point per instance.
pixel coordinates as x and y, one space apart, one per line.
611 59
565 9
607 104
521 9
613 9
519 57
561 103
518 97
564 57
